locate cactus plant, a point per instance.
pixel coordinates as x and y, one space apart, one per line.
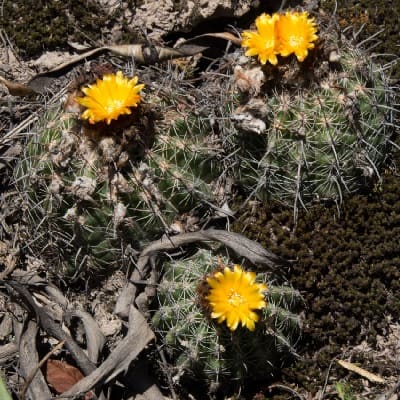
92 189
208 350
311 130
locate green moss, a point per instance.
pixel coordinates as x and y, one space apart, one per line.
37 26
345 266
371 16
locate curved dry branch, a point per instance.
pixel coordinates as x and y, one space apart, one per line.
94 337
241 245
139 335
141 53
53 329
37 389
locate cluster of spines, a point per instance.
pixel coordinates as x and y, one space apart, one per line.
116 206
184 163
324 140
205 349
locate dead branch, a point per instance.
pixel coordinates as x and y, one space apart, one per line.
138 336
53 329
32 375
36 385
241 245
94 337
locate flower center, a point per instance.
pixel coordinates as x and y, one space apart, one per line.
114 104
269 44
296 41
235 299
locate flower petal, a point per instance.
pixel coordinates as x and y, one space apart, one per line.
235 296
296 34
263 42
110 97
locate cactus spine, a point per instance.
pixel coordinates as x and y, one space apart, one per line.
315 130
207 350
90 192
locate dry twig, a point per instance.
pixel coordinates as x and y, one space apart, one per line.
39 365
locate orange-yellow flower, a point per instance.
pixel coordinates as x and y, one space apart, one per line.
110 97
262 43
296 34
233 297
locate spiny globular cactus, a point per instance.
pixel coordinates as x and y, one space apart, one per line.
93 191
312 130
200 346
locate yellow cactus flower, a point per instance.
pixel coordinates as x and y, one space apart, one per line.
263 43
296 34
110 97
233 297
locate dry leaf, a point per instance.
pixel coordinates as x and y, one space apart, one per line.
140 53
17 89
62 376
360 371
119 360
218 35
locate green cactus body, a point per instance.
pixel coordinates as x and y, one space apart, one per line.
89 194
328 124
184 163
207 350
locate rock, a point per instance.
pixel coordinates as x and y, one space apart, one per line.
160 17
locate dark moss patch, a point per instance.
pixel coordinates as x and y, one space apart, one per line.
37 26
347 268
372 16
